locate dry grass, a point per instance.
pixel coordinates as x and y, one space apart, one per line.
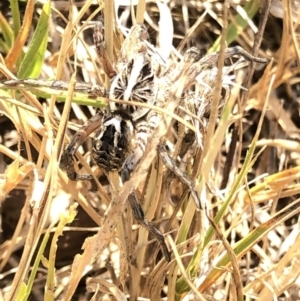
247 172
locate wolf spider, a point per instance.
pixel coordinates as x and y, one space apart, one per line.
122 130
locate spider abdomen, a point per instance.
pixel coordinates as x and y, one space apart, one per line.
112 143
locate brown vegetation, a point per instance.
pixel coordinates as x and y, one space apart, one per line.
62 241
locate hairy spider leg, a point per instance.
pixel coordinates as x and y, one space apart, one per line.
171 165
67 159
140 217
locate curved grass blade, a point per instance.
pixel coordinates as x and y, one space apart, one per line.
15 11
243 246
238 25
7 33
34 58
16 49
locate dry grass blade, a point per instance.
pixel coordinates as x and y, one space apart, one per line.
161 128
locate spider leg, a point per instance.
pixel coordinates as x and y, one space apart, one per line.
171 165
91 89
144 129
67 159
139 216
212 58
102 53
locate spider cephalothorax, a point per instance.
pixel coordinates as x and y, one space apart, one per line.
132 76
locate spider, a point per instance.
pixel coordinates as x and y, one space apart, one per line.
141 75
137 76
132 79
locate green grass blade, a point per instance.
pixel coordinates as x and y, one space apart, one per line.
34 58
15 11
23 295
22 292
238 25
7 33
243 246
